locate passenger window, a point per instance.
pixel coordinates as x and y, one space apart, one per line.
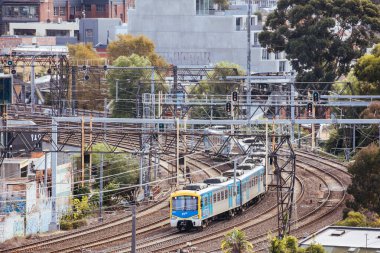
214 197
222 196
226 193
218 196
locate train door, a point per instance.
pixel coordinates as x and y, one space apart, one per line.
247 189
238 195
210 203
230 196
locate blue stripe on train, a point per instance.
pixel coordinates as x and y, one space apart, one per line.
184 214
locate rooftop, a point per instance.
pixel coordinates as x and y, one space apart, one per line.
348 237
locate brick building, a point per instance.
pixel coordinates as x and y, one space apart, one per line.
60 10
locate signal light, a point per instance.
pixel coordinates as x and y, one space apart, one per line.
9 62
49 71
234 96
105 67
84 67
86 77
13 72
309 109
315 96
228 107
161 127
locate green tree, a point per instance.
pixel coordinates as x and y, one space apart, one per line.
315 248
119 168
366 178
236 241
127 45
90 93
289 244
367 69
216 86
354 219
129 83
321 38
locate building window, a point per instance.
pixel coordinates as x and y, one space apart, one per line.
281 66
56 10
277 55
89 32
203 7
256 39
61 33
265 54
87 7
20 12
100 8
72 10
238 24
115 11
25 32
62 11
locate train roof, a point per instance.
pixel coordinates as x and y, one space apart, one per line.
215 187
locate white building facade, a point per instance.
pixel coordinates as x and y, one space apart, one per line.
194 33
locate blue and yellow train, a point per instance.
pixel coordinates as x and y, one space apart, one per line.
198 204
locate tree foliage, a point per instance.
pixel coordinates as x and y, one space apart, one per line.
368 69
129 86
289 244
236 241
218 85
366 178
127 45
354 219
82 52
321 37
118 168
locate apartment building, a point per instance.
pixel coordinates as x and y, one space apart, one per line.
56 11
196 33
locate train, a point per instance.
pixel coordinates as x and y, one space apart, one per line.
198 204
216 138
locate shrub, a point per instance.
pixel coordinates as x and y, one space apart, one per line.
79 223
66 225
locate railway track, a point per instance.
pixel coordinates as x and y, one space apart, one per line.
334 194
159 237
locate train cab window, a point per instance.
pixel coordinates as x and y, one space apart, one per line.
185 203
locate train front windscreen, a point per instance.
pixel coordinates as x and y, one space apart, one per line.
185 203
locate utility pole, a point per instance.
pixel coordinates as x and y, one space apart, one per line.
117 90
313 130
53 223
266 155
133 243
82 153
101 189
32 86
249 90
